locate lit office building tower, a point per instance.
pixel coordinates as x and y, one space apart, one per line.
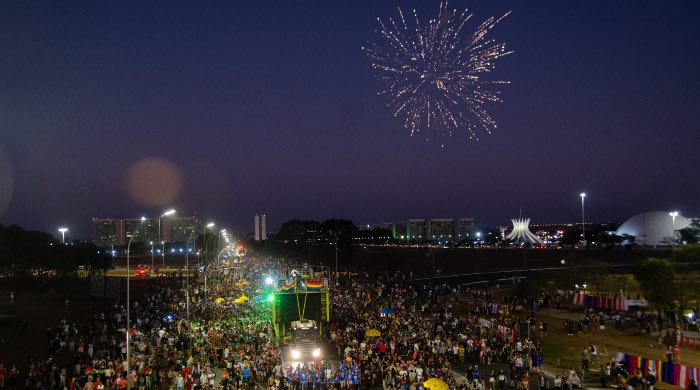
180 229
260 227
108 232
146 230
431 230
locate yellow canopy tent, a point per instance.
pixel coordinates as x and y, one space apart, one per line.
435 384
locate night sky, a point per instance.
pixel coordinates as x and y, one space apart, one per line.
271 107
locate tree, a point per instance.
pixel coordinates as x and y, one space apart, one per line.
571 237
526 289
610 239
298 230
686 254
24 252
657 278
341 229
597 277
686 286
689 235
492 236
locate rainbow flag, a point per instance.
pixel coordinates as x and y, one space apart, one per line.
694 374
314 285
288 287
651 365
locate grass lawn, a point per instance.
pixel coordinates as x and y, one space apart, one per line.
41 310
567 349
44 307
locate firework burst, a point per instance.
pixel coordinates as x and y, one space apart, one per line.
434 71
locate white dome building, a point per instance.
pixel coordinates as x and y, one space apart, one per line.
653 228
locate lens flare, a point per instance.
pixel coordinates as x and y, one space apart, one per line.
154 181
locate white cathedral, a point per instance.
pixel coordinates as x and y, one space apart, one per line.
521 232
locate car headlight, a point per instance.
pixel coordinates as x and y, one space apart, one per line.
296 354
317 353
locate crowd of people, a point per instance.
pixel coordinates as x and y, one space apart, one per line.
421 336
230 344
385 331
225 345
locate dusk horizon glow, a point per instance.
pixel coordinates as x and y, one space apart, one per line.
226 110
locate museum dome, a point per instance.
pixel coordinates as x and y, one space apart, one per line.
653 228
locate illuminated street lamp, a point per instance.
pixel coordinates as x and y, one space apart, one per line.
128 308
206 227
187 289
63 231
583 218
160 234
222 233
152 262
673 215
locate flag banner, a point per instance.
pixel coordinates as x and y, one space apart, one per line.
314 285
671 373
288 287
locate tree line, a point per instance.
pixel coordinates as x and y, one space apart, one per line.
28 252
671 283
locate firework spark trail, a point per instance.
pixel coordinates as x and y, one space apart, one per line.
433 72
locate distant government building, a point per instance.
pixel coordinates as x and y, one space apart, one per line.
117 232
437 229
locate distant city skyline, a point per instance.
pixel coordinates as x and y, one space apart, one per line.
236 108
150 225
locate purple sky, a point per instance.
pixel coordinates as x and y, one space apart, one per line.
271 107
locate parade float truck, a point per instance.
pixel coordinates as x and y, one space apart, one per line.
304 342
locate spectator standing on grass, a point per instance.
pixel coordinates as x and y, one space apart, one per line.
585 358
650 380
575 381
603 376
557 383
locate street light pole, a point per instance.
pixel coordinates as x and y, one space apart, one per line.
673 215
160 235
63 231
206 265
336 257
152 261
204 239
187 290
221 234
583 218
128 308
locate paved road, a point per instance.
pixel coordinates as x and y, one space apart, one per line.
121 271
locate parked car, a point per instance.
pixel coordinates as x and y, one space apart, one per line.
143 270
